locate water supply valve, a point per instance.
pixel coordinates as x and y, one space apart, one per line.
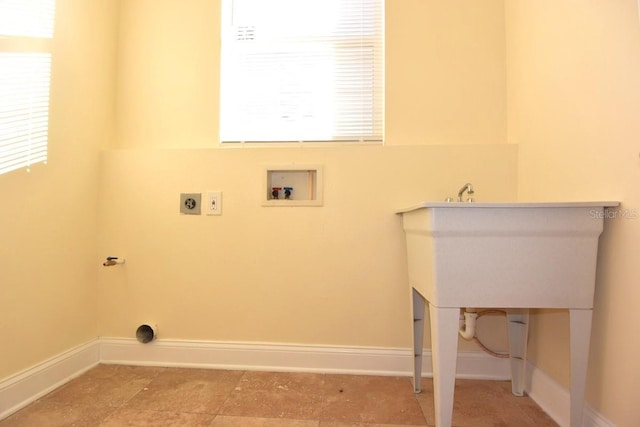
287 192
113 260
275 192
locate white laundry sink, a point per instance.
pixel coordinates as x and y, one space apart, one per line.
507 255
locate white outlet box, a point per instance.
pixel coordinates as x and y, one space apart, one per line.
213 203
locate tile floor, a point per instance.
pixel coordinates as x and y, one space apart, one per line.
115 395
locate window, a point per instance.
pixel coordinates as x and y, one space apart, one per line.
26 27
302 70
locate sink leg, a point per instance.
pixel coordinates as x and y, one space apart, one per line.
518 328
444 346
418 334
580 331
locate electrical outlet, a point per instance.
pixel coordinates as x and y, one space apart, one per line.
213 203
190 203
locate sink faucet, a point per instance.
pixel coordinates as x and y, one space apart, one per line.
469 189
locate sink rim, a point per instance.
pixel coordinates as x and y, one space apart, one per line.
472 205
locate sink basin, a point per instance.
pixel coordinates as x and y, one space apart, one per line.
508 255
504 254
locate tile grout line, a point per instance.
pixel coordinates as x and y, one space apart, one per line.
323 398
422 409
125 402
226 399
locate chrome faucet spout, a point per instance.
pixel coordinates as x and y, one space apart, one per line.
468 188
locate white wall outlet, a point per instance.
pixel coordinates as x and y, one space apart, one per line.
213 203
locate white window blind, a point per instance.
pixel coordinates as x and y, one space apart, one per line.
302 70
25 75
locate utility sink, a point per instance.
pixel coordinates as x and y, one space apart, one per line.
514 256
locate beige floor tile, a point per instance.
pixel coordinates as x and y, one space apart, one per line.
233 421
276 395
187 390
371 399
105 385
135 417
486 404
46 413
110 395
340 424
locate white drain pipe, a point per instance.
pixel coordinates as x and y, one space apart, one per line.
468 329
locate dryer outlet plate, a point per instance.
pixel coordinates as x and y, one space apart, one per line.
190 203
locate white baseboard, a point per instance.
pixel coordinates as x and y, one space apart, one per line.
290 358
554 399
23 388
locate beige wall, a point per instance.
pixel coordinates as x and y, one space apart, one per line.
134 123
327 275
315 275
573 90
48 247
445 70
